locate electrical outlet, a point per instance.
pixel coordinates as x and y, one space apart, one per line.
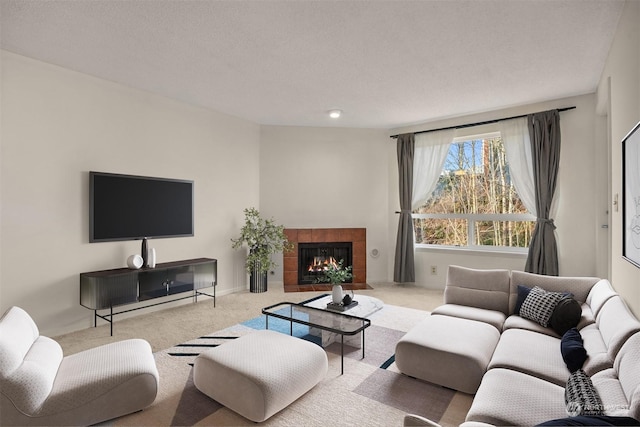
434 270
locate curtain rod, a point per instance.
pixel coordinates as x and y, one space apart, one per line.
486 122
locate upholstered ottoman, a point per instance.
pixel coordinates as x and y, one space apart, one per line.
449 351
261 373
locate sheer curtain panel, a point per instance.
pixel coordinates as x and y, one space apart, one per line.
430 154
517 144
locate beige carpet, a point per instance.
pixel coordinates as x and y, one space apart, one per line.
365 395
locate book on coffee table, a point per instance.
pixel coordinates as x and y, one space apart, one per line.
341 307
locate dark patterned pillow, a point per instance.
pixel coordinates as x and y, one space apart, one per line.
539 305
581 396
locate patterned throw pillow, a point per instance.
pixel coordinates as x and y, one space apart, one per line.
539 305
581 396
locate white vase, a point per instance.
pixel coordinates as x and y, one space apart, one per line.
151 263
134 262
336 294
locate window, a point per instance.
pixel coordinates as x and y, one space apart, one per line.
475 204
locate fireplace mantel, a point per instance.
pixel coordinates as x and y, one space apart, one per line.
357 236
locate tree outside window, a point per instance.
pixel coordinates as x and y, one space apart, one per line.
474 203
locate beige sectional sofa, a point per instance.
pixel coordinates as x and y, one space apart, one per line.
518 374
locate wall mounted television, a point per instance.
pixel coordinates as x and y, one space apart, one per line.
129 207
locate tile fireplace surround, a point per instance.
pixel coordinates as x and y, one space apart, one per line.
358 239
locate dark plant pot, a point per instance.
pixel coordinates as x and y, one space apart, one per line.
257 281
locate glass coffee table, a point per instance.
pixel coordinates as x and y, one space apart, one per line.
365 307
334 322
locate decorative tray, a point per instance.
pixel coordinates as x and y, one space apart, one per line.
341 307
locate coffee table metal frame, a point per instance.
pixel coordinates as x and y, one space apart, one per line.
347 324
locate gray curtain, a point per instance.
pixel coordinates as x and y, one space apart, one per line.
404 269
544 129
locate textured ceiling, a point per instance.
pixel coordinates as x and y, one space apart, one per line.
385 63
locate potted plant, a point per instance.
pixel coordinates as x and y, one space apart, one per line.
263 237
336 274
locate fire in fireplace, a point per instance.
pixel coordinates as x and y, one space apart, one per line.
315 258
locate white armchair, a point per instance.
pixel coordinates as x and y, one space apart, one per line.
413 420
39 386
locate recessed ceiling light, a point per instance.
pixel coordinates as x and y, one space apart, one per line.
334 114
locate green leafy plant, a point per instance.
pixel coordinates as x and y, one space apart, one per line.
336 273
263 237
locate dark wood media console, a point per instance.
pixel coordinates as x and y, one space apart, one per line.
106 289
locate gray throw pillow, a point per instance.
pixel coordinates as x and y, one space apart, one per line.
581 396
539 305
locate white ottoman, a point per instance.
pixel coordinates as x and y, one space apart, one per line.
261 373
449 351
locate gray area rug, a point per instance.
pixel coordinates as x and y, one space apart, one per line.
370 393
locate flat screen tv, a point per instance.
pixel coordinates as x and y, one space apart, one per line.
128 207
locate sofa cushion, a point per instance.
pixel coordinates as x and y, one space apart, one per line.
539 305
597 357
492 317
511 398
531 353
581 396
566 315
516 322
572 349
616 324
614 401
599 294
578 286
627 367
587 318
488 289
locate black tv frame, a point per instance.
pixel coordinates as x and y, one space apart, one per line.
148 179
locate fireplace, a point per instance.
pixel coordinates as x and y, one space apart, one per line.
319 239
315 258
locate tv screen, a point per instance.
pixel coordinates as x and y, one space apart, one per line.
128 207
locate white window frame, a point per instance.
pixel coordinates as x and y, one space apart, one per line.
473 218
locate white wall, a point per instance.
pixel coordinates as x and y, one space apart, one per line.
578 218
57 125
619 91
301 167
328 177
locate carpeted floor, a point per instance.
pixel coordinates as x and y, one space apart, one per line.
370 393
